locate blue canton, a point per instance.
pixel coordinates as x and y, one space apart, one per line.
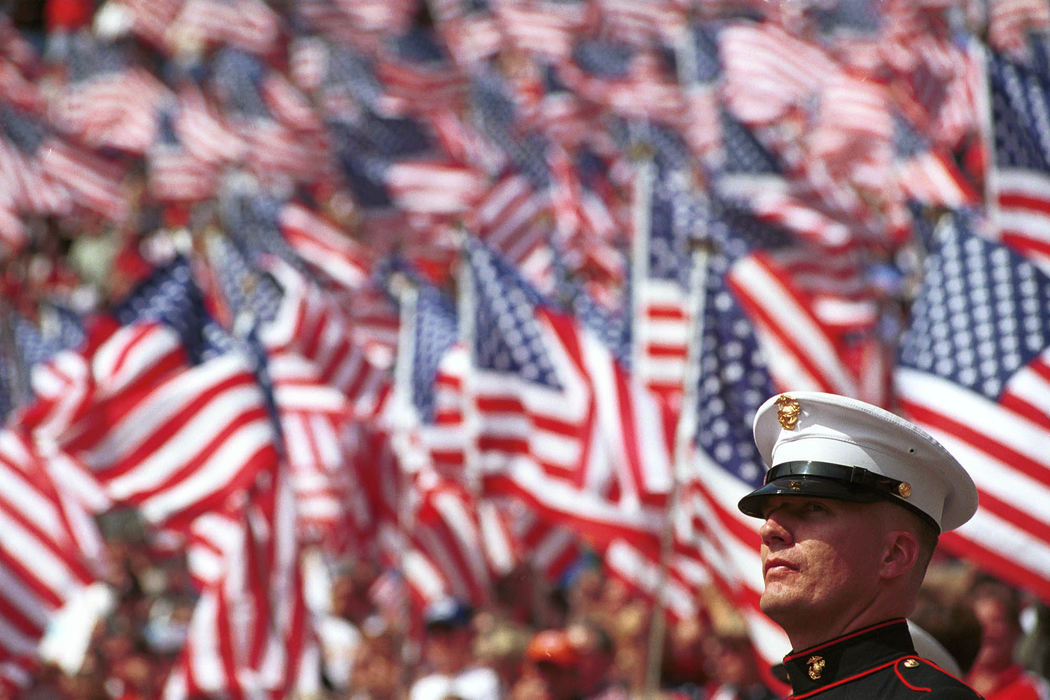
734 381
435 333
1020 115
982 312
507 337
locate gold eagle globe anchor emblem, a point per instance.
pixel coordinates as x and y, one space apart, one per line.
815 666
788 412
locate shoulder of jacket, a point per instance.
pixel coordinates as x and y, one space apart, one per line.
934 682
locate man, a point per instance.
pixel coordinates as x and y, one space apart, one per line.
996 671
449 653
551 668
853 503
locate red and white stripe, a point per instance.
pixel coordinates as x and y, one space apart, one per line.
1000 442
325 247
311 325
47 540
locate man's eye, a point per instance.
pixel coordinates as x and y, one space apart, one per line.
814 508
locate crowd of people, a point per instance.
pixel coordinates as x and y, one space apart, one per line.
589 637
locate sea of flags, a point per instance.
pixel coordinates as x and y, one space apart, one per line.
465 287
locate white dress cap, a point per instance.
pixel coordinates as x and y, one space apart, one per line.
812 442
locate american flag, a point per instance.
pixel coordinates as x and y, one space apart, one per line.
203 130
109 101
1020 180
973 372
1011 24
513 218
558 424
324 246
417 77
927 175
250 25
50 553
540 27
633 83
177 174
311 324
757 335
250 634
25 186
769 71
673 207
723 463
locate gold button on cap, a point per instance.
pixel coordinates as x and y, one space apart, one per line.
910 663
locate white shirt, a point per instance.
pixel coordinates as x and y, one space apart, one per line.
472 684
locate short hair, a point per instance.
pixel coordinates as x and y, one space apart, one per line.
928 537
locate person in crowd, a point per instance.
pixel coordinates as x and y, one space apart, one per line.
552 668
853 503
996 673
733 666
596 676
448 650
949 620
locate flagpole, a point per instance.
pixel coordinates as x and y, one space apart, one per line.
684 434
402 416
19 378
986 128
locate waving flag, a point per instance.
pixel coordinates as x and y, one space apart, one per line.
1020 182
558 424
50 552
973 372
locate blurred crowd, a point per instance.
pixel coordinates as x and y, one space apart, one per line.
586 637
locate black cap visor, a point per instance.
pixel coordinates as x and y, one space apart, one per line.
811 486
824 480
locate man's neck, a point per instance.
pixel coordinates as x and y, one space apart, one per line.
810 635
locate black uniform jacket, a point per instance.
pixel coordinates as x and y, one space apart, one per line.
874 662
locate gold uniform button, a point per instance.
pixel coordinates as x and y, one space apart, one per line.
911 663
904 489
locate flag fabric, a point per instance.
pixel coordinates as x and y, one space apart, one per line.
558 424
972 371
672 209
1020 181
744 355
50 553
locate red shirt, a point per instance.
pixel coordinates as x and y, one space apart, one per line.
1016 683
68 14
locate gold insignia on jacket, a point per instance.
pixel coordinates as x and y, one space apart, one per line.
816 667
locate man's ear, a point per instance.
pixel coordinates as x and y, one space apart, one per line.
900 554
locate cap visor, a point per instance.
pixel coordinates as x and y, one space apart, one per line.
812 486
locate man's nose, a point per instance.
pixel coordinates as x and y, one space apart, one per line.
774 531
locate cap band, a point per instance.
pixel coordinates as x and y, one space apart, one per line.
855 476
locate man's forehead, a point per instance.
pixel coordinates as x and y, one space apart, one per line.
835 505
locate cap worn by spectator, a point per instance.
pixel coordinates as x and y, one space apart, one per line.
447 613
552 647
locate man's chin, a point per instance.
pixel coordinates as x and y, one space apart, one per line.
775 602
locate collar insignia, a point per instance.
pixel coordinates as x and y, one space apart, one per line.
815 666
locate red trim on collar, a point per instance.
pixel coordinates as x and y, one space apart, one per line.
836 640
844 680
